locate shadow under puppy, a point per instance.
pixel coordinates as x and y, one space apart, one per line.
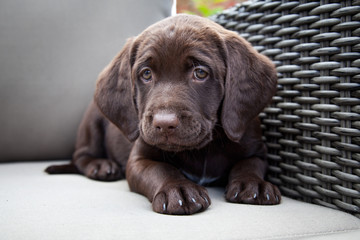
177 109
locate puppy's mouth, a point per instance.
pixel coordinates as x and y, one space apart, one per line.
186 135
172 144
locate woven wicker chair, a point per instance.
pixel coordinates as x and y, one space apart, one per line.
51 52
312 128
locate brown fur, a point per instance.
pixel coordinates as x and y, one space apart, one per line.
187 132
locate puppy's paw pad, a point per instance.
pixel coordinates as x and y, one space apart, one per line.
181 199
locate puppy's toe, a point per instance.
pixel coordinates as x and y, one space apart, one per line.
256 191
181 199
238 192
109 171
270 194
103 170
159 203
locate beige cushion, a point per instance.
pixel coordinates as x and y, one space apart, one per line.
34 205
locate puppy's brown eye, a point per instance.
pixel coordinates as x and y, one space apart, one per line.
146 75
200 74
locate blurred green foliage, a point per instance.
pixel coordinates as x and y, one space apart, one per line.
208 8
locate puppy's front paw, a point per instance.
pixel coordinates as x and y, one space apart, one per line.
252 191
103 170
180 198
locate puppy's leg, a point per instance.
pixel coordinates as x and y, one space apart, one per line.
247 185
90 157
164 185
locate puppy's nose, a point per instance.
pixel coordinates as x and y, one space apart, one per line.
165 122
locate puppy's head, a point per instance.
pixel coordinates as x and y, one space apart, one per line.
179 78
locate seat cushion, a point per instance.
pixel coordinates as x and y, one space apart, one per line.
34 205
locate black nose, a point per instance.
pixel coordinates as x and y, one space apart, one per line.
165 122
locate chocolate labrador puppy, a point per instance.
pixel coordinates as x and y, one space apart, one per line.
177 109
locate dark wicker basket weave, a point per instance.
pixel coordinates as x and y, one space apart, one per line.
312 128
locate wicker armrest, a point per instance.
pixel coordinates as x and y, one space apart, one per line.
312 128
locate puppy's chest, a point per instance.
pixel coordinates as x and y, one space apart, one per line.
204 169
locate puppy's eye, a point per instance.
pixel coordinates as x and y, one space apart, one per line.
200 74
146 75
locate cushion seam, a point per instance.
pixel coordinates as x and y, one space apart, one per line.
324 233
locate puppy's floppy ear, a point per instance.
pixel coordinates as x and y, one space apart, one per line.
113 93
249 85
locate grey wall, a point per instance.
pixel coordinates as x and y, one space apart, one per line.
51 53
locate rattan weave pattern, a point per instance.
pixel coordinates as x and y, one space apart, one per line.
312 127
